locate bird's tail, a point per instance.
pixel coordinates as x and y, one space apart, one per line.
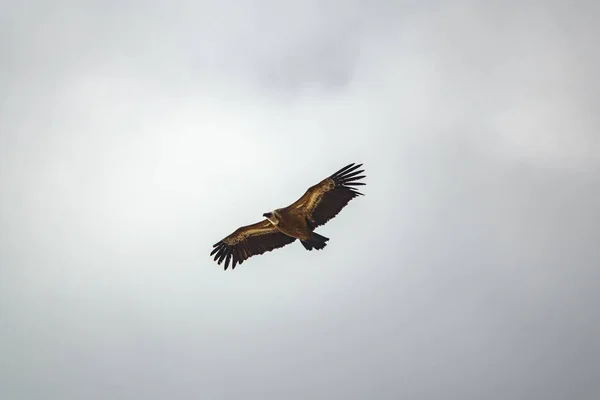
315 241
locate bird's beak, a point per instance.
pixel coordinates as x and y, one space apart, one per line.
266 215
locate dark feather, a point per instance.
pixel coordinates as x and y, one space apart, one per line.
334 200
248 241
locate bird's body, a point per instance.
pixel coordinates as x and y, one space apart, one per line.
282 226
290 221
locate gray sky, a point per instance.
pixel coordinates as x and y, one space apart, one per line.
134 135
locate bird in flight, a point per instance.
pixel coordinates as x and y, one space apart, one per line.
283 226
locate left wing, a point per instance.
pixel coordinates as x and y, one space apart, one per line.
249 241
326 199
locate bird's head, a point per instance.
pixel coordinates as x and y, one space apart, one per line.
272 217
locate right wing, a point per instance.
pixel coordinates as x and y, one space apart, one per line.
327 198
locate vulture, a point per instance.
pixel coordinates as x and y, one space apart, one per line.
283 226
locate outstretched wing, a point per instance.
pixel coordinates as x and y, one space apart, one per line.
326 199
249 241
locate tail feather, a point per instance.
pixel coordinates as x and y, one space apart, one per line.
315 241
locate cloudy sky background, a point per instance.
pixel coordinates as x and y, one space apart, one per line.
134 135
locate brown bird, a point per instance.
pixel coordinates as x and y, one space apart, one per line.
283 226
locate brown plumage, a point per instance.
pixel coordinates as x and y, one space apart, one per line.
283 226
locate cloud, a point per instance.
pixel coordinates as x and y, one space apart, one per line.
133 138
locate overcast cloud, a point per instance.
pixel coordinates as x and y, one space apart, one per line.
134 135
